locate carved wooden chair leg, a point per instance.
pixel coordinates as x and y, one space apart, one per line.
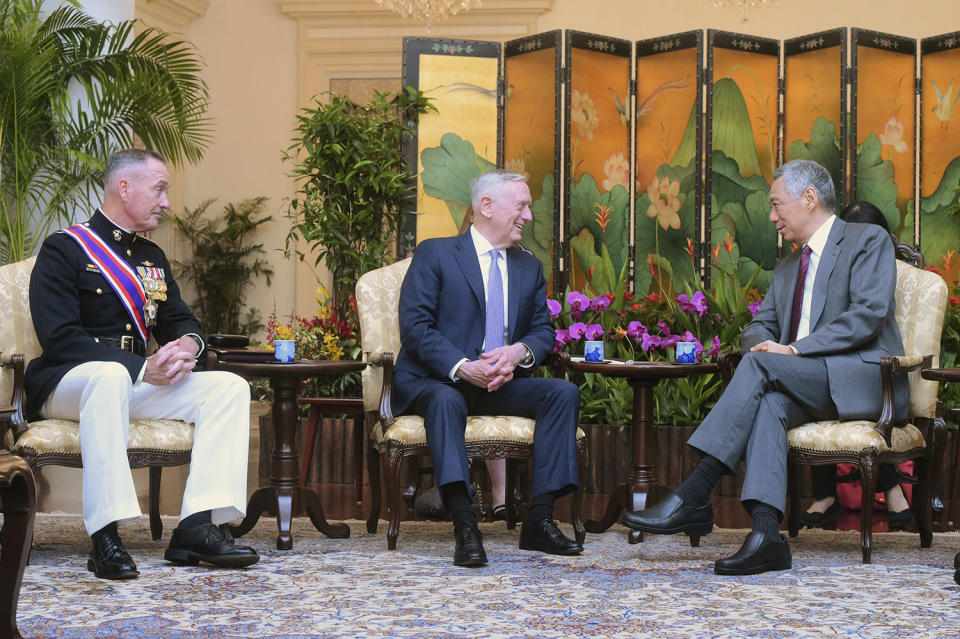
359 441
795 483
156 525
921 501
376 490
394 466
511 501
868 481
576 504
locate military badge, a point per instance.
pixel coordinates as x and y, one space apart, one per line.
117 234
155 287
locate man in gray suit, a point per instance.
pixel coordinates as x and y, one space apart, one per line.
811 353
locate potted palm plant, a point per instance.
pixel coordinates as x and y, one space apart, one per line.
136 86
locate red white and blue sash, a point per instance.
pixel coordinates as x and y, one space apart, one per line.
120 276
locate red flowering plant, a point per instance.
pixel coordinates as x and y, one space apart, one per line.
329 334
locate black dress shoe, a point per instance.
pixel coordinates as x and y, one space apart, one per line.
670 516
757 554
544 536
109 559
469 550
208 543
826 519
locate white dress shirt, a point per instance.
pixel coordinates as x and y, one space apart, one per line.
817 243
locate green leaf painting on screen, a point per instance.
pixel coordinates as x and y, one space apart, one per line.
875 183
600 242
448 171
939 217
823 148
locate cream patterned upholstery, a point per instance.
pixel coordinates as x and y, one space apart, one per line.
378 296
153 443
921 299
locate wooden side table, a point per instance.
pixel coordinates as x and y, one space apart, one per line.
18 503
642 377
948 375
285 495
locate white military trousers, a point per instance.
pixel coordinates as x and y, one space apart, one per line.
101 396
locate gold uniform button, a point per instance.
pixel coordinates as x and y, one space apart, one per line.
129 252
99 291
128 327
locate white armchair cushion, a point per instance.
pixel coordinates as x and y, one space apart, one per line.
852 436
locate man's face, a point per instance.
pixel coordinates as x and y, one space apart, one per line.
505 210
144 194
790 215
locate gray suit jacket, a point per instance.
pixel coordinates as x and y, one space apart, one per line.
852 323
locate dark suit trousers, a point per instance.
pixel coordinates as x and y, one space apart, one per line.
769 394
553 403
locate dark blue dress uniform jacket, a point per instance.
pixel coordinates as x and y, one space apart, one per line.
72 302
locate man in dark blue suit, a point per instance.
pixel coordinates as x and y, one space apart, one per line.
473 324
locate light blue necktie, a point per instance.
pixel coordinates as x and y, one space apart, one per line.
494 332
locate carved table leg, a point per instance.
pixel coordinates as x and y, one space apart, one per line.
18 502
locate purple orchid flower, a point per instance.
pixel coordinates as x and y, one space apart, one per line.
697 303
554 307
670 341
561 338
755 307
599 303
635 330
576 330
577 301
664 328
593 331
649 341
715 347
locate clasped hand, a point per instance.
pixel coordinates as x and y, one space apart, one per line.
171 363
494 368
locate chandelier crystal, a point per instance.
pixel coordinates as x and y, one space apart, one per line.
428 11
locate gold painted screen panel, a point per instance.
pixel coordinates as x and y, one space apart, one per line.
814 101
597 162
531 138
457 143
742 123
884 129
940 154
668 156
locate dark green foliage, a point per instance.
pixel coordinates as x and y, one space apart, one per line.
224 264
352 181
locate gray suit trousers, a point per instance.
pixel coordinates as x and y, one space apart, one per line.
769 394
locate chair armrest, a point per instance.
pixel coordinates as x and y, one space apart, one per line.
558 363
728 362
384 360
16 362
889 365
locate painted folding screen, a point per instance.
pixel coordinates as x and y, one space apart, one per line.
814 101
668 156
940 153
596 217
741 152
883 126
531 138
459 142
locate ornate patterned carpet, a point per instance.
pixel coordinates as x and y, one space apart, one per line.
357 588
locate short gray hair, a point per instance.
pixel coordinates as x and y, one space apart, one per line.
482 185
126 159
799 175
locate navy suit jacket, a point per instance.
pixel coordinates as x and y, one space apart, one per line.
443 312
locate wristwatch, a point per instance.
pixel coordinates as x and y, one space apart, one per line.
528 358
198 341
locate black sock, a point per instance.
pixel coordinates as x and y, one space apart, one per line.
696 488
196 519
457 500
765 518
110 528
541 508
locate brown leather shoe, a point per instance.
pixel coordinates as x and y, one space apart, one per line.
208 543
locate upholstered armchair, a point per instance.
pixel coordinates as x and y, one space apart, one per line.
921 299
396 438
153 443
